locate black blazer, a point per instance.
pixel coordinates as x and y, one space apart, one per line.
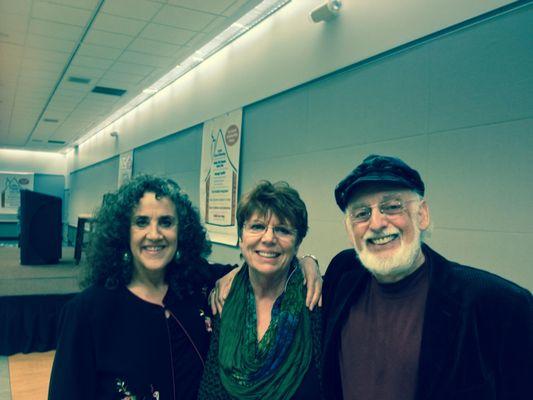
477 338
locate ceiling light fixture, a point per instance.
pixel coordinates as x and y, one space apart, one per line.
79 79
242 25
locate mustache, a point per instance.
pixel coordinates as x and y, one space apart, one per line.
384 232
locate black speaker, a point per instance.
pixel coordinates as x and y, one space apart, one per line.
40 228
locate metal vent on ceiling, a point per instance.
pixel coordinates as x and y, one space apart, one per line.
108 91
56 141
53 120
77 79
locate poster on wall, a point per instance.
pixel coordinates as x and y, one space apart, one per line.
219 176
11 183
125 167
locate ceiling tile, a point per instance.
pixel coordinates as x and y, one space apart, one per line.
240 7
99 100
35 84
47 43
13 29
216 26
92 62
112 23
109 39
60 13
13 23
10 51
70 97
37 73
28 93
14 140
168 34
153 77
62 110
131 68
153 47
71 88
29 102
196 42
24 96
136 9
45 55
28 64
85 4
211 6
92 50
121 77
15 7
183 18
84 72
144 59
24 118
55 29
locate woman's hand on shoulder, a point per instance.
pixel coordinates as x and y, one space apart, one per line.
220 292
313 280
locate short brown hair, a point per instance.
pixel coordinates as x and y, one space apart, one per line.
277 198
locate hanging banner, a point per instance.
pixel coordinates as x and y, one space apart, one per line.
11 183
125 167
219 176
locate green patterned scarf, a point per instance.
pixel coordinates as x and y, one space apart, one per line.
273 368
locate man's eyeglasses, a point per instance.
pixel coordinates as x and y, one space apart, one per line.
388 208
259 228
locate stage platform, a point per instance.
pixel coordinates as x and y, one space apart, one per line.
31 298
16 279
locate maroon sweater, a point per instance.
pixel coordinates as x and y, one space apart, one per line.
380 342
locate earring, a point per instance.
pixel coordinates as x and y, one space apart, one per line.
126 257
177 256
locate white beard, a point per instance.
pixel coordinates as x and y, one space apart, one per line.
397 266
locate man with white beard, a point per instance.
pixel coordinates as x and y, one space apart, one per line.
401 321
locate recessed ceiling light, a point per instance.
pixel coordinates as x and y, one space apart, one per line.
109 91
78 79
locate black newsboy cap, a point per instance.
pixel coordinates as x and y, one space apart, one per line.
377 168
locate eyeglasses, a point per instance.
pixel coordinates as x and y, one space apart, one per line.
388 208
280 231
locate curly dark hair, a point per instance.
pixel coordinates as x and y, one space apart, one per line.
277 198
111 237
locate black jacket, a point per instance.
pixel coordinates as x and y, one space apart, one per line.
477 339
113 345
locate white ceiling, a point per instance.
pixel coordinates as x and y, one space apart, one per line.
122 44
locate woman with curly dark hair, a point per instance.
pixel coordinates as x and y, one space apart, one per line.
140 329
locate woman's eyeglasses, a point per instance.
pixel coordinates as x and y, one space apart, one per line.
259 228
